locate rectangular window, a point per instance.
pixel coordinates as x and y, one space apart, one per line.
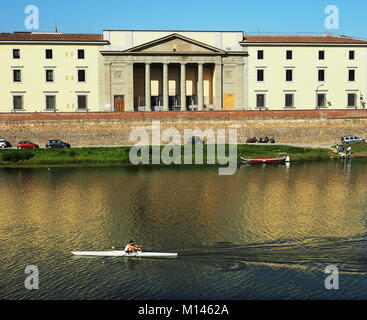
351 55
289 55
81 75
50 102
48 53
260 54
321 75
321 55
352 100
289 100
289 75
82 102
18 102
81 54
49 76
321 100
16 53
17 75
260 75
351 75
260 101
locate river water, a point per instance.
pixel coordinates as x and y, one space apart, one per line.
267 232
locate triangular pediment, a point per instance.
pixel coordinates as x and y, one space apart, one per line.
175 43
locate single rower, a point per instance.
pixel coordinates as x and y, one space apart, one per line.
131 247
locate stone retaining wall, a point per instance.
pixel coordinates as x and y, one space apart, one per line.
96 129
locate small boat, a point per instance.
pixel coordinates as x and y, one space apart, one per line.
120 253
282 160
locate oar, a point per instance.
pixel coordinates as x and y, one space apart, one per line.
117 248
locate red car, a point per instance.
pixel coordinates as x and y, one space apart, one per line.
251 140
27 145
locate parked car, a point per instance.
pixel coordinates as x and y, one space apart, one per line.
5 144
264 140
251 140
352 139
27 145
261 140
57 144
196 140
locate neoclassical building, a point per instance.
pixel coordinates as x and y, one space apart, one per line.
154 70
179 71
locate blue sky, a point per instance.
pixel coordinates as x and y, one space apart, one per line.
92 16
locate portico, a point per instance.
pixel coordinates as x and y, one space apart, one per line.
176 86
173 73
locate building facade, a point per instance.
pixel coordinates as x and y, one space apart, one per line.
177 71
134 71
50 72
290 72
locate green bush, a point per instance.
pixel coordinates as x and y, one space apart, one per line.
72 154
16 156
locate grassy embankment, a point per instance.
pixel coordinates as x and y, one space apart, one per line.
120 155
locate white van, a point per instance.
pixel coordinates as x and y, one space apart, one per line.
352 139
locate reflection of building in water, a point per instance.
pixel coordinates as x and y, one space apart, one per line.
314 201
51 201
116 204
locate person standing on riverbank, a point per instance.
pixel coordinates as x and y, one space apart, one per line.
349 151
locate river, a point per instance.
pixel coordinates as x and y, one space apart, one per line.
267 232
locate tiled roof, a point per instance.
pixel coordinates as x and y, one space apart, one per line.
301 39
39 36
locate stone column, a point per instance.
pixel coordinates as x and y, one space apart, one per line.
183 87
200 86
108 94
239 95
129 78
165 87
147 87
217 96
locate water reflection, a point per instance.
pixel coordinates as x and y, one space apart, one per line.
257 204
301 216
